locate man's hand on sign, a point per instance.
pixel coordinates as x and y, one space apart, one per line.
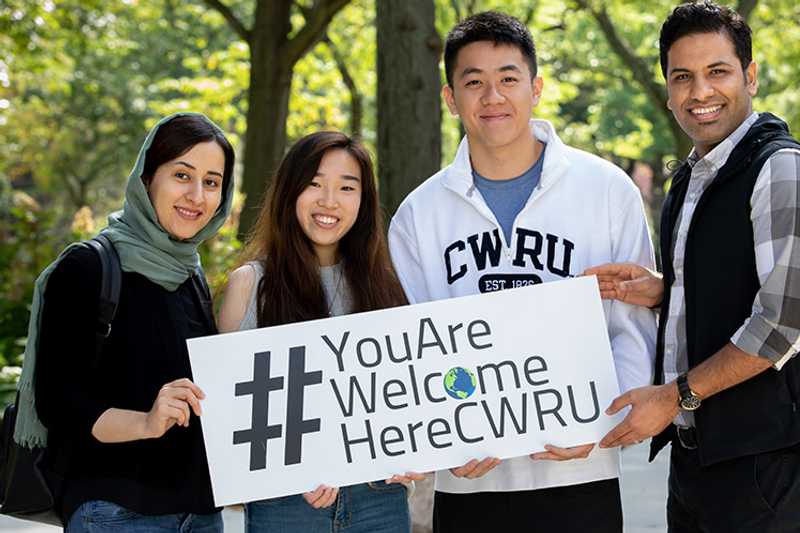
475 469
321 497
652 410
629 283
554 453
407 478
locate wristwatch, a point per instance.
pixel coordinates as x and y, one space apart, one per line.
689 401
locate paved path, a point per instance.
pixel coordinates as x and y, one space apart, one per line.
643 492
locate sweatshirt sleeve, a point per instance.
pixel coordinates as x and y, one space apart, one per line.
631 328
404 250
68 397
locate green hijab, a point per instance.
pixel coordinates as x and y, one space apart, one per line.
143 247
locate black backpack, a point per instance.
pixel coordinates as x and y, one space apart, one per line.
27 490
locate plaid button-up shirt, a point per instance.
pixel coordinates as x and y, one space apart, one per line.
773 329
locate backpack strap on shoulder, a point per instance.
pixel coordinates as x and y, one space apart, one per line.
110 284
202 295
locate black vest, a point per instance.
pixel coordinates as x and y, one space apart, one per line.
721 282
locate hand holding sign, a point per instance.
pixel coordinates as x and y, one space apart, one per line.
475 469
407 478
629 283
172 406
653 409
554 453
321 497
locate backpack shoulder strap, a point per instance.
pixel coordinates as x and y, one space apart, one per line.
203 296
110 284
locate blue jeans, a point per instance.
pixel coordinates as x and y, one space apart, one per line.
364 508
99 516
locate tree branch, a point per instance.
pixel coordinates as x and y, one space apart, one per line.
72 185
640 71
456 9
356 108
231 17
531 15
746 7
317 19
638 67
560 26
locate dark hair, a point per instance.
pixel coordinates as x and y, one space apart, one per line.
706 17
492 26
290 289
177 136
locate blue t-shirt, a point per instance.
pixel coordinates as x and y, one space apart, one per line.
506 198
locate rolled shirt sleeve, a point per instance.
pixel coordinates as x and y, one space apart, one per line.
773 329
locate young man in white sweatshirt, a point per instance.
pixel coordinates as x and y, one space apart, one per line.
517 207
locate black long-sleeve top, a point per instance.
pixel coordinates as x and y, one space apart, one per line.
145 350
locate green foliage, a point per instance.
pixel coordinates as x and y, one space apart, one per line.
776 28
320 99
221 254
73 82
27 236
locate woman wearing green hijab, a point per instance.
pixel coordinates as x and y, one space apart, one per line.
123 432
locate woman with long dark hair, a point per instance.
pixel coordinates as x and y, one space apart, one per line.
318 250
121 426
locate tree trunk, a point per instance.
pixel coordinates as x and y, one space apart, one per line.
746 7
268 105
272 59
409 105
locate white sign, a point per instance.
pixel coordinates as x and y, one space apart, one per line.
417 388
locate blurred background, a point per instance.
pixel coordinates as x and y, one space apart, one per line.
81 82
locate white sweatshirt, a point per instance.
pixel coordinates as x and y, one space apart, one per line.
445 242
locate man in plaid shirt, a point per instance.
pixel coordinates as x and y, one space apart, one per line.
727 384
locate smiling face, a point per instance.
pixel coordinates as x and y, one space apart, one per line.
494 95
186 191
709 93
328 207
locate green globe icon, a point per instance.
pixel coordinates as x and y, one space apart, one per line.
459 383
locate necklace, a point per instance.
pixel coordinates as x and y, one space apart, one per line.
338 274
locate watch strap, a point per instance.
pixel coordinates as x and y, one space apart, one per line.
688 400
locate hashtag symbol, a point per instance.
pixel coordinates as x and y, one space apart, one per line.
260 430
296 426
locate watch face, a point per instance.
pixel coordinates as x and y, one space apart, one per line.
690 403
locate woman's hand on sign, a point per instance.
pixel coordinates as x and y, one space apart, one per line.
629 283
321 497
475 469
407 478
173 405
554 453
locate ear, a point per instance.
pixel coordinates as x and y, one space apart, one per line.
751 78
537 84
450 100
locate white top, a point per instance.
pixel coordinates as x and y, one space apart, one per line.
445 242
